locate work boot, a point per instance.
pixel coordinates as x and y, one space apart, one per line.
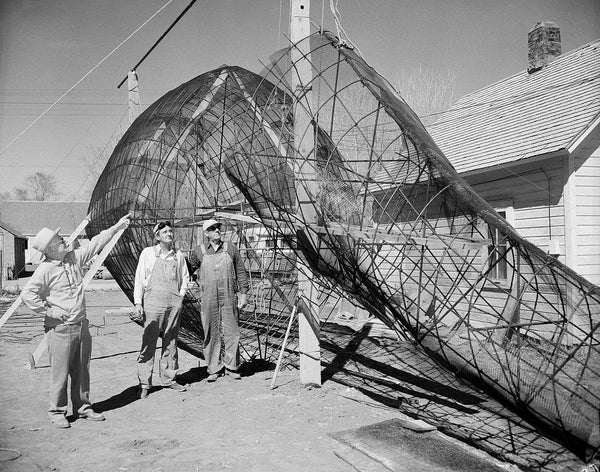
212 378
60 421
91 415
233 374
175 386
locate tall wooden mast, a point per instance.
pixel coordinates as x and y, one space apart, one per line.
133 96
304 171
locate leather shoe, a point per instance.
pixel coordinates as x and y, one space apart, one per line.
233 374
92 415
175 386
212 377
144 392
60 421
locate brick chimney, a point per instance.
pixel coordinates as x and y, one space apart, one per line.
544 45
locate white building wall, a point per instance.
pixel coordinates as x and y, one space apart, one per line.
587 215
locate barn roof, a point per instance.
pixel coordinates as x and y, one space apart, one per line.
28 217
524 115
11 230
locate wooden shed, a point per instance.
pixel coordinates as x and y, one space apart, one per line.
12 251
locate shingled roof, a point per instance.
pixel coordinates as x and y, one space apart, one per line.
11 230
524 115
28 217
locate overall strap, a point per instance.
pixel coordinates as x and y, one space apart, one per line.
203 249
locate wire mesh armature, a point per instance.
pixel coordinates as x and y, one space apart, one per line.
169 166
374 210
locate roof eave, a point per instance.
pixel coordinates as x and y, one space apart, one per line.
528 160
581 139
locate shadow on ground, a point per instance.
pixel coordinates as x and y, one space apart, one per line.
398 375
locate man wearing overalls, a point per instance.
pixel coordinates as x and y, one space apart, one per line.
56 291
161 280
223 285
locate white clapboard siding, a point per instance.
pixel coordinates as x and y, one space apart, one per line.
587 204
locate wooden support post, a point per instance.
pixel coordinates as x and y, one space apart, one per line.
35 357
304 170
133 96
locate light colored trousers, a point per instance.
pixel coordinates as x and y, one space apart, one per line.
70 351
162 306
167 322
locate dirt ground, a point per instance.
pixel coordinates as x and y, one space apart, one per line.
227 425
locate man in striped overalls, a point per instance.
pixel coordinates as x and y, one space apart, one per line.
223 285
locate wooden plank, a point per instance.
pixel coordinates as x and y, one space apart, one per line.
285 338
380 234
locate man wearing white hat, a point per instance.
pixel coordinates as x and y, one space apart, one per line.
223 290
56 291
161 280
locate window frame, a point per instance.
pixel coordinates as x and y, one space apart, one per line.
500 274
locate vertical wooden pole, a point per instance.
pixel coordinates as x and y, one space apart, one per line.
133 96
304 170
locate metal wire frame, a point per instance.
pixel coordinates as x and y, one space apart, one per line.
398 230
407 237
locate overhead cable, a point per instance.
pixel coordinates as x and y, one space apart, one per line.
82 79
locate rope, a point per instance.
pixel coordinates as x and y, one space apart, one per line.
15 456
339 28
82 79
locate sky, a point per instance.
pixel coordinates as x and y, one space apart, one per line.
47 47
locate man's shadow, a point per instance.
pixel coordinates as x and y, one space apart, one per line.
192 376
132 394
127 396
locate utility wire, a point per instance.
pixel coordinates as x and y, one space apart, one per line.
83 78
497 103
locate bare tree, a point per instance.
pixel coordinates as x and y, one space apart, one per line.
21 193
428 92
94 162
38 186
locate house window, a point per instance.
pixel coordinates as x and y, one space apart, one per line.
497 253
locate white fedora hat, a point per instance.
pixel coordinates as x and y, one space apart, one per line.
42 240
